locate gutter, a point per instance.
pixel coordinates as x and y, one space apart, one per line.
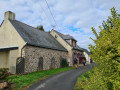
77 49
23 48
48 47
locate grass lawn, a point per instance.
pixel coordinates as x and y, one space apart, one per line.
26 80
81 81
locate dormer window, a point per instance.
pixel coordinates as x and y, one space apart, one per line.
73 42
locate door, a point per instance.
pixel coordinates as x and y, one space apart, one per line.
40 63
52 63
20 65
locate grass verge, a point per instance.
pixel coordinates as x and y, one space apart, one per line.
26 80
81 80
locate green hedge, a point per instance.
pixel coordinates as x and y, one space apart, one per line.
64 63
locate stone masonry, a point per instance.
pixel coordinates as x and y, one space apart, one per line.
32 55
77 52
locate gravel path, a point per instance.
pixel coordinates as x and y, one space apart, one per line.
62 81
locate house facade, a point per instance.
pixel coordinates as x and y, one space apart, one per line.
87 55
74 51
40 50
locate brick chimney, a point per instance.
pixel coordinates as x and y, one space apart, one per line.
9 15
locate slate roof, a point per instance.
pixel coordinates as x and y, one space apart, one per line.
68 37
78 48
65 37
85 50
36 37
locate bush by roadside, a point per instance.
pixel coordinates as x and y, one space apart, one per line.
106 53
82 80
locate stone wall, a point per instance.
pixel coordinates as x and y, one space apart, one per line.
32 55
77 52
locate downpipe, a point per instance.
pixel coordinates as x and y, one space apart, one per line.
22 49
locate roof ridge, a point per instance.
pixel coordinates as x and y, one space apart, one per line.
64 34
29 25
58 32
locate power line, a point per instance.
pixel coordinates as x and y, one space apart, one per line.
46 15
51 13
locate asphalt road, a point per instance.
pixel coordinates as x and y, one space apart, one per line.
62 81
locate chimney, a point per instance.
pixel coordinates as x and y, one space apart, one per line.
9 15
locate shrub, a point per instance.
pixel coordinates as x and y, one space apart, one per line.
4 73
106 53
64 63
82 80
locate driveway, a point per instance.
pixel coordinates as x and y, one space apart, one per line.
62 81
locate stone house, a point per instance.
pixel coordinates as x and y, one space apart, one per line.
87 55
40 50
69 43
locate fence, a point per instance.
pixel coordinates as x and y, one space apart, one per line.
20 65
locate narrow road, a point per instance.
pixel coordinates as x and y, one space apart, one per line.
63 81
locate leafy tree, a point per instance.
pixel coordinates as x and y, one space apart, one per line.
40 27
106 53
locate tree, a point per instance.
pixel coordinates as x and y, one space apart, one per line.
40 27
106 53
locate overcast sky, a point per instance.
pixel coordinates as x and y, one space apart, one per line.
74 17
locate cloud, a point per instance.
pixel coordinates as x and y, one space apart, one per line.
74 17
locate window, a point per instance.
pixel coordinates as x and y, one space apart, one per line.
56 36
73 42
